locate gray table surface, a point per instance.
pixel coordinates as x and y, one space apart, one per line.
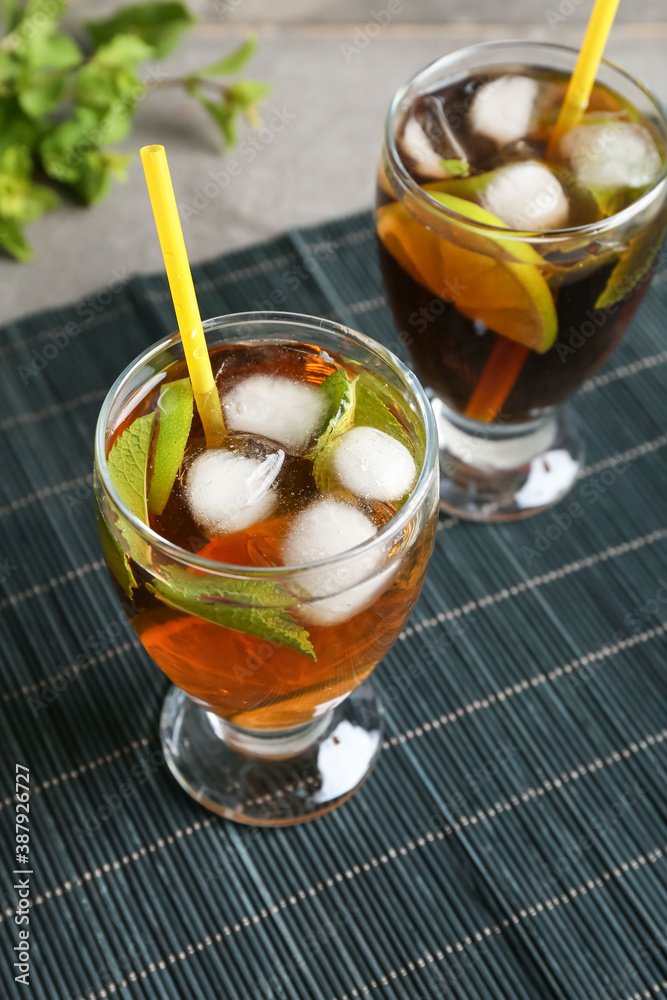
322 163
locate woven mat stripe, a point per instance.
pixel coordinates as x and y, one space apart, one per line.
484 603
446 896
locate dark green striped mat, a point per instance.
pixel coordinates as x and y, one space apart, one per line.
511 841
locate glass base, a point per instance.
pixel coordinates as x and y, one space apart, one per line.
495 472
272 779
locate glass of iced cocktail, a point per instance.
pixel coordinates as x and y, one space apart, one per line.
513 264
269 574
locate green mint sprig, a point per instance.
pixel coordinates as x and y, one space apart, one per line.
363 401
174 421
255 607
63 104
229 603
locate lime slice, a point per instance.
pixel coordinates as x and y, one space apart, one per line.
633 265
175 409
510 296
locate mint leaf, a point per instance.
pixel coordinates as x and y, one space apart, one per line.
12 239
11 14
247 93
42 94
122 51
116 558
633 265
174 420
230 603
456 168
159 25
53 52
128 464
224 115
339 392
230 64
377 405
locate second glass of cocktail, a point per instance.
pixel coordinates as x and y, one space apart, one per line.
513 268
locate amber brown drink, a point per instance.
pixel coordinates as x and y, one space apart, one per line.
268 570
247 679
513 264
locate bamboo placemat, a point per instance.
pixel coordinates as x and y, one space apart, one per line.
510 843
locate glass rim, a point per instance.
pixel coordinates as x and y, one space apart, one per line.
592 229
417 497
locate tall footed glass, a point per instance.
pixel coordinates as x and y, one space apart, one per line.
272 719
513 273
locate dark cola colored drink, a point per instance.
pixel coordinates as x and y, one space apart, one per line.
503 328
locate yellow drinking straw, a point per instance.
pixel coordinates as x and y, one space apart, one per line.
170 234
582 80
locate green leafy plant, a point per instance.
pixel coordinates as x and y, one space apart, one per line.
63 102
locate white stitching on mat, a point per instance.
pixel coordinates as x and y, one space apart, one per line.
526 685
55 581
624 456
46 491
32 416
531 911
38 338
536 581
649 361
75 772
411 845
73 670
548 785
623 371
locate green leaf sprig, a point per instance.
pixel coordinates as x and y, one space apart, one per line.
254 607
63 103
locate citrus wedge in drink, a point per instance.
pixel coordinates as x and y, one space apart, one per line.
492 279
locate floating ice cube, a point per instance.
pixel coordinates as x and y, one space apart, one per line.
527 196
373 465
416 147
502 109
611 154
228 492
275 408
324 529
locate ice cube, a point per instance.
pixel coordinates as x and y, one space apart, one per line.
416 147
373 465
275 408
228 492
611 154
324 529
527 196
502 108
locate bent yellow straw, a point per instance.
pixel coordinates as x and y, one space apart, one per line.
170 234
582 80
